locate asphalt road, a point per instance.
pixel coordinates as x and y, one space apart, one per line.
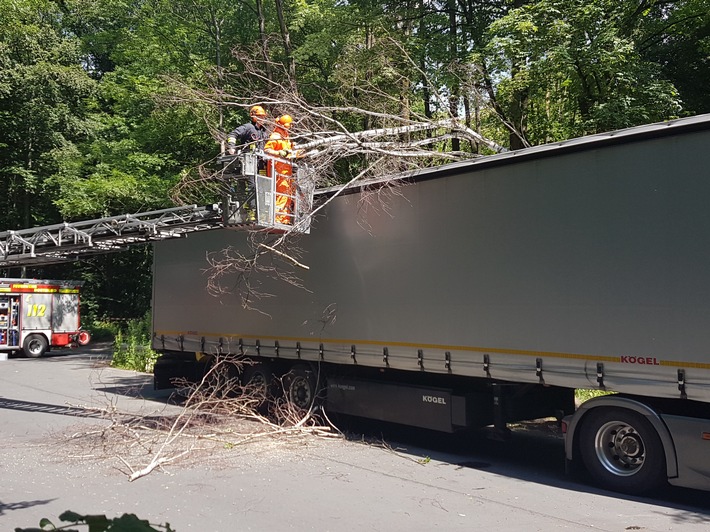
422 482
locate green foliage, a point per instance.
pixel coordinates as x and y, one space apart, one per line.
101 331
98 523
132 346
677 38
43 108
576 68
582 395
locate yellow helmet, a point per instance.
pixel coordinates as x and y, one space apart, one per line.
257 110
284 120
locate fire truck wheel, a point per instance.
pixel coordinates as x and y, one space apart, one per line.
622 451
300 385
35 346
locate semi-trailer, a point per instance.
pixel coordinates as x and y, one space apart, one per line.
486 292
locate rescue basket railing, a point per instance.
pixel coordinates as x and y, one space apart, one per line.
267 192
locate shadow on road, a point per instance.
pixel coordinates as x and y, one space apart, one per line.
530 454
6 507
136 386
46 408
94 351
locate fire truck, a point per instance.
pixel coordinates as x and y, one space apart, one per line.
38 315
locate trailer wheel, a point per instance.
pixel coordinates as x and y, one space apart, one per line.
258 379
300 385
622 451
35 345
222 376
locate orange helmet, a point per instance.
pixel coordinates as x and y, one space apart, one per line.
257 110
284 121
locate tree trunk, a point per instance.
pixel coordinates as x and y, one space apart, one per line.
29 164
454 97
426 89
286 37
518 106
263 40
369 44
216 32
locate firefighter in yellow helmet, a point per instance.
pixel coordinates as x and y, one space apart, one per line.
251 135
280 145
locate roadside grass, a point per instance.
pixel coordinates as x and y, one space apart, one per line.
131 347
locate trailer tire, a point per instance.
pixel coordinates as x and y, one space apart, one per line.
222 376
622 451
35 346
301 386
258 379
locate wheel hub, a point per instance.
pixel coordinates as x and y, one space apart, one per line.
258 383
619 448
630 445
301 393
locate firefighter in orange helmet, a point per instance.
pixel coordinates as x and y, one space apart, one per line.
251 135
279 145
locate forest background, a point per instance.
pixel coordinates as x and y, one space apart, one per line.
107 105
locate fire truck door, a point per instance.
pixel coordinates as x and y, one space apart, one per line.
36 311
65 315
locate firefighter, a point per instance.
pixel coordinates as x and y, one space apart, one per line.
279 145
251 135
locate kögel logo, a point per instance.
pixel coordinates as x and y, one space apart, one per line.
650 361
434 399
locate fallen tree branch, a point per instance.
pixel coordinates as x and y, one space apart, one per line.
284 255
156 462
448 123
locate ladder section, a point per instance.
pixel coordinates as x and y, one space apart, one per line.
265 193
73 240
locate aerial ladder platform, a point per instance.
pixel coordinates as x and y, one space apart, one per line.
251 204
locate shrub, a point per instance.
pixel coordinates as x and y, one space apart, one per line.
132 346
102 331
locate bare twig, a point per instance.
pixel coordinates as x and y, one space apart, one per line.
282 254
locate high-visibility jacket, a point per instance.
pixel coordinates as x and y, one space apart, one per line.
279 141
281 171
